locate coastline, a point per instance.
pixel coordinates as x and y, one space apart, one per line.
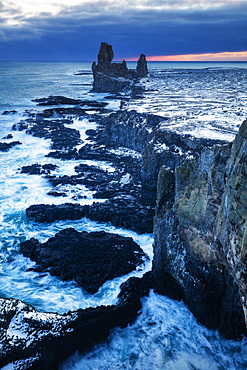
132 148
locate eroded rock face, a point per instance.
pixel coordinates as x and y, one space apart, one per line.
144 133
89 258
200 239
114 77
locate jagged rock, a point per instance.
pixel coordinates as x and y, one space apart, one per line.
145 134
120 211
106 54
4 147
9 136
37 169
6 112
200 238
63 138
114 77
33 339
89 258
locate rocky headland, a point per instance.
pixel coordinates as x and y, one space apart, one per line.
190 192
200 235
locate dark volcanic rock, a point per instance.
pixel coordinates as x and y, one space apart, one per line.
125 180
61 136
142 68
62 100
122 212
6 112
50 213
9 136
46 339
38 169
89 258
4 147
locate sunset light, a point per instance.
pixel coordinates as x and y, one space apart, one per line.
207 57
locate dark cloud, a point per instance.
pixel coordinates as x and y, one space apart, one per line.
76 32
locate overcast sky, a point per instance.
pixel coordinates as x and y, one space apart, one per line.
72 30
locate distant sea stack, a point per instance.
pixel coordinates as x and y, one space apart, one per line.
114 77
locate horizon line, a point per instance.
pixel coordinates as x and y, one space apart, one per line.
226 56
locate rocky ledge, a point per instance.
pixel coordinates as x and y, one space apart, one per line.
200 235
115 77
121 211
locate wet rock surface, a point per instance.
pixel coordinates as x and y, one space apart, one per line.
4 147
89 258
63 100
55 130
121 212
135 176
7 112
38 169
33 339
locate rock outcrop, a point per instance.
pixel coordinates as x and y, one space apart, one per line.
122 211
115 77
4 147
42 340
89 258
200 235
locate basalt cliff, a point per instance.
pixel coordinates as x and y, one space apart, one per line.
200 235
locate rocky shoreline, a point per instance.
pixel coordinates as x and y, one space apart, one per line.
190 192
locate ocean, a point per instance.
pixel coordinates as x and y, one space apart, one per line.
202 99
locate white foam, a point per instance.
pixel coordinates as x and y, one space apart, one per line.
164 336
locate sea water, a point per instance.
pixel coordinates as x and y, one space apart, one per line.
206 100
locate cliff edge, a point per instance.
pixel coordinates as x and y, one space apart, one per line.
200 249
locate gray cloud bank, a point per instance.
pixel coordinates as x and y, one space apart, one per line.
150 27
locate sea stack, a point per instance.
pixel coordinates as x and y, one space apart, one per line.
142 68
115 77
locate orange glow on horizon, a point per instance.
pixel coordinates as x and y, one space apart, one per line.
239 56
